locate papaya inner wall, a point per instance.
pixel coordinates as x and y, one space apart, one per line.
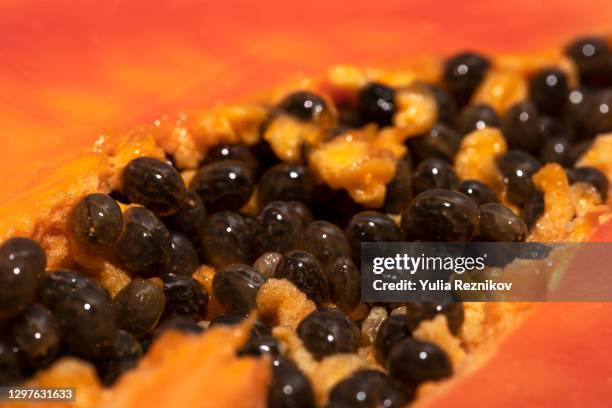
71 69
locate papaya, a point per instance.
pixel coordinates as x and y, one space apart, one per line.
69 89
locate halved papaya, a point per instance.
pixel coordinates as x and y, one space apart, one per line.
198 55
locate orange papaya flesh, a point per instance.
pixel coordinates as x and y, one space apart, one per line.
179 370
549 360
203 371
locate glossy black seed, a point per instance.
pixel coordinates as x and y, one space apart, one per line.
377 104
416 312
96 221
548 89
575 110
463 73
306 273
85 319
596 116
256 346
303 213
477 191
390 332
499 224
227 239
326 242
440 141
521 127
236 287
59 284
335 206
286 182
184 297
145 241
447 107
153 183
344 284
223 186
517 167
399 190
551 128
125 346
22 267
370 226
369 389
110 371
433 173
278 227
259 328
190 219
592 176
441 216
592 57
36 332
556 150
122 356
179 323
10 366
474 117
182 257
533 208
138 306
289 387
413 362
304 105
237 152
27 249
266 264
325 332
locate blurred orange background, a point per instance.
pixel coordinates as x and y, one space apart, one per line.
70 69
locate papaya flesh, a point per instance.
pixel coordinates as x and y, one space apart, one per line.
178 370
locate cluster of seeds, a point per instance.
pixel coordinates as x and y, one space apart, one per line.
163 229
